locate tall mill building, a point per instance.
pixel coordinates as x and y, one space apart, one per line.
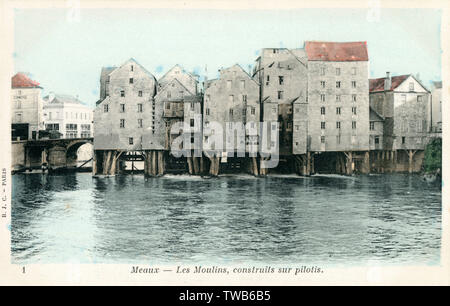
404 102
127 118
319 96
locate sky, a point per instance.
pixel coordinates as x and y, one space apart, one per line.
66 54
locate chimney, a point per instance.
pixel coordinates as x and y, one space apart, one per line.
388 81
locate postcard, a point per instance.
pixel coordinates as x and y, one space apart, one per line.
224 143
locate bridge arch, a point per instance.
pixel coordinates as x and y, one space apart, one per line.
73 152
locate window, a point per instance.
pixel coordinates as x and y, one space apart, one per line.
244 98
322 139
18 104
192 105
244 111
130 140
242 84
131 80
267 80
411 86
280 95
322 70
18 117
122 123
122 108
354 110
122 93
322 125
281 80
338 124
338 84
207 111
252 111
105 109
139 108
372 126
169 95
353 71
338 71
231 112
338 139
403 140
353 98
167 105
403 98
322 110
322 84
338 98
338 110
274 110
192 122
377 139
229 84
419 98
353 124
140 93
322 98
353 84
139 123
297 127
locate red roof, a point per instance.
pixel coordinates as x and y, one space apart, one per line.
336 51
378 84
20 80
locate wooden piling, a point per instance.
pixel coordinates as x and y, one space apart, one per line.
255 166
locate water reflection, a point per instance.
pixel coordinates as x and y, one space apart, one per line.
322 219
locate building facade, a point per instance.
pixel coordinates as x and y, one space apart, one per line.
26 107
405 104
436 107
231 108
128 118
282 74
182 104
338 96
68 116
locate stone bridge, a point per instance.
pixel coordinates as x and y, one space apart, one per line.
53 153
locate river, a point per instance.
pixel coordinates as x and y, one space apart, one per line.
391 219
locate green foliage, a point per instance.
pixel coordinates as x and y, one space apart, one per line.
433 155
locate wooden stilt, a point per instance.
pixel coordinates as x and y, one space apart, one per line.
410 160
94 163
195 162
255 166
308 163
202 165
107 163
366 165
160 163
189 161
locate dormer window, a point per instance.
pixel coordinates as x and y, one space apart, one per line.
411 86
